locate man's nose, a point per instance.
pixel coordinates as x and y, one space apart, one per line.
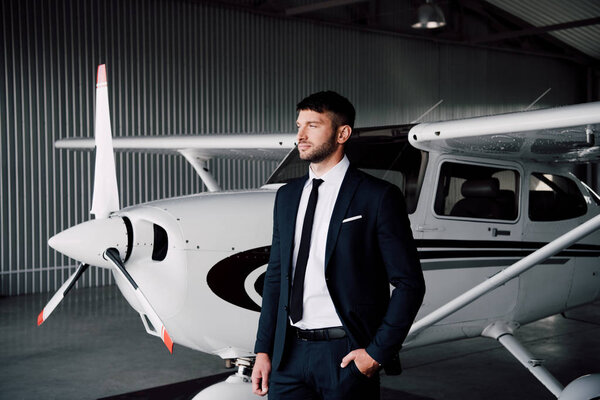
301 133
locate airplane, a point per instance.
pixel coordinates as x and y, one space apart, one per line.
505 233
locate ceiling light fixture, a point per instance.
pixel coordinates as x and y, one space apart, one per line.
430 16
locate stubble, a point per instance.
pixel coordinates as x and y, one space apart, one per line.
321 152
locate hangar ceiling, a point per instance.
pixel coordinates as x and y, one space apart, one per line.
554 28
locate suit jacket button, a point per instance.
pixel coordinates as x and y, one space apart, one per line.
285 308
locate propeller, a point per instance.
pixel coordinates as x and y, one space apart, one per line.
106 240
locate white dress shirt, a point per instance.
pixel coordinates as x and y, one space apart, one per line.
318 310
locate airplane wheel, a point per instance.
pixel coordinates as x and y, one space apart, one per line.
233 388
586 387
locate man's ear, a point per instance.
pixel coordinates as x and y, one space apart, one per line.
343 133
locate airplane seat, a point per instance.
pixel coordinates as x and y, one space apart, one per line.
479 199
508 204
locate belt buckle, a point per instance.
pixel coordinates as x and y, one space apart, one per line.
299 336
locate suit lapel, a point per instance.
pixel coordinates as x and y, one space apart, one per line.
288 218
347 190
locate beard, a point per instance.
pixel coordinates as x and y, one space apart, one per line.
320 153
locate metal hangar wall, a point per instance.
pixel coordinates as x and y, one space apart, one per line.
189 67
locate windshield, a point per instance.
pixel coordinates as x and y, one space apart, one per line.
381 152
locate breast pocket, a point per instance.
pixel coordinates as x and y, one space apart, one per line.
352 219
354 222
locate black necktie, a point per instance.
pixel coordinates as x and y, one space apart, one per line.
297 296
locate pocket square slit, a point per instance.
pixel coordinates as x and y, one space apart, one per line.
351 219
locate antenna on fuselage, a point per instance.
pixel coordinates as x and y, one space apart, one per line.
538 99
433 107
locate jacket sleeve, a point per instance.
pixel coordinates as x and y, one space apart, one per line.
270 298
403 268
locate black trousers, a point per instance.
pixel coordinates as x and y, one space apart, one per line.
311 370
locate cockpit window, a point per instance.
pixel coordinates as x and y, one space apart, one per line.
382 152
554 198
475 191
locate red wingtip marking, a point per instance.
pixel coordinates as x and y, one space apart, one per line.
41 318
101 74
167 339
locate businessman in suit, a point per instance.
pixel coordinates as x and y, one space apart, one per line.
340 238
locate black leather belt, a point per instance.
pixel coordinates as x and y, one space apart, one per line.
320 334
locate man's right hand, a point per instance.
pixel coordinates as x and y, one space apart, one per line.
260 374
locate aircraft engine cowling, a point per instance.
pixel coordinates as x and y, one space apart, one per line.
156 260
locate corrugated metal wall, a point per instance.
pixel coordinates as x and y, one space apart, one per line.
177 67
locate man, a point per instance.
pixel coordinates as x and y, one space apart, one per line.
340 237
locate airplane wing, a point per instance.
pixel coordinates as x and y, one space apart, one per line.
271 147
562 134
198 149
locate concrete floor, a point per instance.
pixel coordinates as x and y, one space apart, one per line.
94 346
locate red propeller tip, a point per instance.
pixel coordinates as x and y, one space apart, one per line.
167 340
41 318
101 75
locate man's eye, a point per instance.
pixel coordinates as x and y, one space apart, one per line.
313 125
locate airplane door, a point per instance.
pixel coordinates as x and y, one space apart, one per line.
471 231
555 205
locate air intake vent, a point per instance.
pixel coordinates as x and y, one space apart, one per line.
161 243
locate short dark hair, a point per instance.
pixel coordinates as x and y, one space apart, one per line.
341 108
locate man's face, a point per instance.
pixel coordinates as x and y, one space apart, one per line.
316 135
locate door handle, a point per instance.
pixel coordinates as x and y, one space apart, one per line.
498 232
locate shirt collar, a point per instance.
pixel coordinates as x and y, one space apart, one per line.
335 174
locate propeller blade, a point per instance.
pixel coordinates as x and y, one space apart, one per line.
112 255
106 192
61 293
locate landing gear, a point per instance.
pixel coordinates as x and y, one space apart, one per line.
584 388
235 387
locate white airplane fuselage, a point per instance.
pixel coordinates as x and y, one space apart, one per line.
206 288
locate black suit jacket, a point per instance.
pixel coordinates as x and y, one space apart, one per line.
362 258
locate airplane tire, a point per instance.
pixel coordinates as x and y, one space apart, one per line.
234 388
586 387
